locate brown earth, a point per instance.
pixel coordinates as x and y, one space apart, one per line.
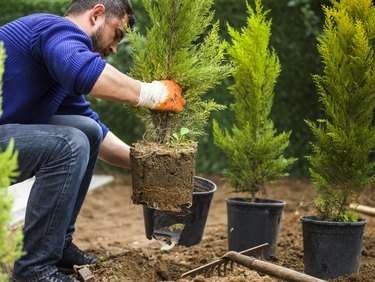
112 227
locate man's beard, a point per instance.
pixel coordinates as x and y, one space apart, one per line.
97 43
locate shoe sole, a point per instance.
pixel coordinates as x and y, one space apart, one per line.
66 270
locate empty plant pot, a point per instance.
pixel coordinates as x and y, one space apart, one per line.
184 228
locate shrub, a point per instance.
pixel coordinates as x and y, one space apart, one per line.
340 164
254 149
179 47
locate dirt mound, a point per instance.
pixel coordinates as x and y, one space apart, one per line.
134 265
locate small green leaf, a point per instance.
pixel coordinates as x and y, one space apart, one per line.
184 131
168 247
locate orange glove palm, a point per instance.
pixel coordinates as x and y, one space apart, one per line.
174 101
162 95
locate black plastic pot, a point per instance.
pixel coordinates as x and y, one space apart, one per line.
185 228
253 223
331 249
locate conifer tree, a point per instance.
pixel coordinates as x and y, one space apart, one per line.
254 149
340 164
10 241
182 45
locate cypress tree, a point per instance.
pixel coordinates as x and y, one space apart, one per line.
254 148
340 163
182 45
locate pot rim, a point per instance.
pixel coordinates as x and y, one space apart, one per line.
243 202
312 219
209 182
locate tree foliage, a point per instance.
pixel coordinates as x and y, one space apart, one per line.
11 10
296 94
254 149
183 45
10 241
340 164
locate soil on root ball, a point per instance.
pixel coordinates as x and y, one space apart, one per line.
111 227
162 176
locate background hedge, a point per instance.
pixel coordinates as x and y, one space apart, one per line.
295 25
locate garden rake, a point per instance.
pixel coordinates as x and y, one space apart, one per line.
247 258
223 264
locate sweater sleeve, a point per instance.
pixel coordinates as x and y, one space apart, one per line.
67 53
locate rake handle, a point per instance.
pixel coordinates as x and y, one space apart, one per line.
270 269
363 209
208 268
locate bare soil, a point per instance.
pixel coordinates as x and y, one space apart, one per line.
112 227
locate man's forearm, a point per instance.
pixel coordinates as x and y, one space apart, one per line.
114 151
113 85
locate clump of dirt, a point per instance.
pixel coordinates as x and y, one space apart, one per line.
111 226
162 176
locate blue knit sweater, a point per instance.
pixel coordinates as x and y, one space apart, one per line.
49 68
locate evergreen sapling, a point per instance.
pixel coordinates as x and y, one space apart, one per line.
253 147
182 45
340 163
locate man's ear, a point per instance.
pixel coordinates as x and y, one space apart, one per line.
97 11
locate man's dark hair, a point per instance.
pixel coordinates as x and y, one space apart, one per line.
113 8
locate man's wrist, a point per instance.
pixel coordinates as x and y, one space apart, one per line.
151 94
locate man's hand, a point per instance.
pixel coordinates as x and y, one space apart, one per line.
162 95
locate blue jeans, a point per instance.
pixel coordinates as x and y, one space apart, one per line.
62 156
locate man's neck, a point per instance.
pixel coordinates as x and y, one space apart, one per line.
81 22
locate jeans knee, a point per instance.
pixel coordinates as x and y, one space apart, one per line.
85 124
79 144
73 146
92 129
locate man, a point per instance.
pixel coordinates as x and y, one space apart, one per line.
52 63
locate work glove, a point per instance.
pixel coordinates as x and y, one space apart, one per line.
164 95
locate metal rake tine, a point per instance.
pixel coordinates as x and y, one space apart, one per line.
221 269
255 251
225 267
210 271
203 269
